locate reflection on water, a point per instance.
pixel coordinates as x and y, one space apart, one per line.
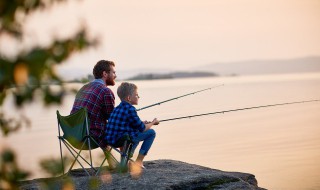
280 145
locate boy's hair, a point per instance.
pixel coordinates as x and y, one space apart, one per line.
102 65
125 89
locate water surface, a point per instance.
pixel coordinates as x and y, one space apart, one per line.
279 145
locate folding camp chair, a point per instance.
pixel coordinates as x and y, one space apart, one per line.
76 138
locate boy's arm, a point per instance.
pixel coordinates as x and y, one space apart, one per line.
148 125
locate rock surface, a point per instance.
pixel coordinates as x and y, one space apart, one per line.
159 174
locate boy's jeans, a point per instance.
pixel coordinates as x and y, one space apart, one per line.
147 137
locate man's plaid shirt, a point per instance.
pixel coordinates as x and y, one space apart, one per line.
99 101
123 120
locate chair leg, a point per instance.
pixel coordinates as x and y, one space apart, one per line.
76 159
125 156
89 142
62 163
107 154
70 148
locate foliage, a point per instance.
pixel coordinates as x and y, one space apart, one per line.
53 166
29 72
10 174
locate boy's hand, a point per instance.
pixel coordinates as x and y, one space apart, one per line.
155 121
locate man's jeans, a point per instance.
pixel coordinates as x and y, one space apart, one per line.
147 137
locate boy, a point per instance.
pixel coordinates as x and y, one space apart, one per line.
124 120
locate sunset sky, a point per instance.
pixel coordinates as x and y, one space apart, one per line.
181 34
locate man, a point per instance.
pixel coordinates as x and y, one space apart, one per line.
99 100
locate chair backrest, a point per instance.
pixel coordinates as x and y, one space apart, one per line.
75 128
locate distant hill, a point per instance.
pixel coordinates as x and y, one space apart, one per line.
258 67
250 67
154 76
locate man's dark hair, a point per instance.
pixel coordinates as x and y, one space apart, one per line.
102 65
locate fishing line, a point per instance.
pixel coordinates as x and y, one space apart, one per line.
192 93
239 109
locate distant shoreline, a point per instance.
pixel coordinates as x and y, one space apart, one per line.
173 75
236 68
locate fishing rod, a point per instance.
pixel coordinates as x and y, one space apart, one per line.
239 109
156 104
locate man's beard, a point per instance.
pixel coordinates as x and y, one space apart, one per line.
110 82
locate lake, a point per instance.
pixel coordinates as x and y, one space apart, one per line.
279 145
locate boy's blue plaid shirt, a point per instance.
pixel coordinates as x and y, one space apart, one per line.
123 120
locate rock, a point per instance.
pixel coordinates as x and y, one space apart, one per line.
159 174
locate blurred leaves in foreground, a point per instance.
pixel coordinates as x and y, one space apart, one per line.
53 166
10 174
30 72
